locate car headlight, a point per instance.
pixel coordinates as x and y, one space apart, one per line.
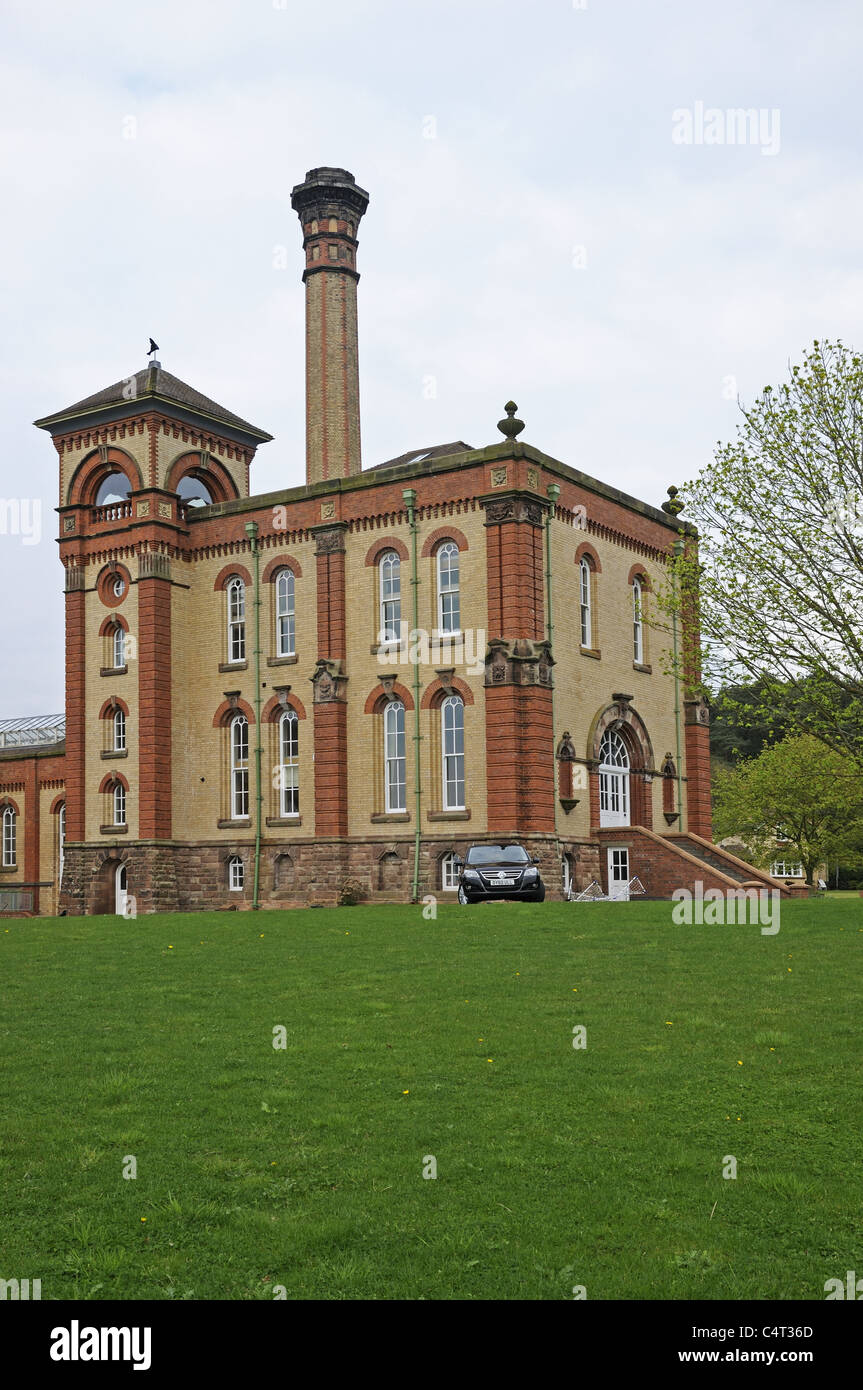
530 875
471 876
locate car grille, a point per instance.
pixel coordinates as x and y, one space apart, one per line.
500 878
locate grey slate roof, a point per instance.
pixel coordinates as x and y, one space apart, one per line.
32 730
434 451
154 382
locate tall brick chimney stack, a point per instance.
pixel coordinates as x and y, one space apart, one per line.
329 205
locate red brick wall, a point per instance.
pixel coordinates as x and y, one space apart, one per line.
154 708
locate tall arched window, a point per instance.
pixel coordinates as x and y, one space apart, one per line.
10 838
394 756
119 647
239 736
452 749
285 630
390 571
118 798
289 764
586 602
637 622
119 723
449 606
613 780
236 598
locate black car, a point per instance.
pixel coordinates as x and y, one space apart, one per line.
499 871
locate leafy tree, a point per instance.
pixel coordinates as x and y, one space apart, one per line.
779 577
808 793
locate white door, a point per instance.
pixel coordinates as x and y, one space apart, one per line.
618 874
120 894
613 780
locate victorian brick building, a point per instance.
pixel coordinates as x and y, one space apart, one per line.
270 696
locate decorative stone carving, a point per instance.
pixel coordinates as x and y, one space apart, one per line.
510 426
328 681
532 477
165 510
328 509
519 662
152 565
68 524
329 540
445 676
75 579
697 710
514 507
498 477
566 748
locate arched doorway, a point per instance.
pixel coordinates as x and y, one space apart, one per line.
614 768
121 896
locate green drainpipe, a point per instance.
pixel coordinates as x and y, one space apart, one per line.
252 533
553 491
410 497
678 551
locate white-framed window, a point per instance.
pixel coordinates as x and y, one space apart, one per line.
236 874
10 838
390 581
285 617
119 723
239 742
119 586
566 864
613 780
61 842
236 599
289 760
637 622
449 873
119 647
395 790
449 603
452 750
118 798
585 602
785 868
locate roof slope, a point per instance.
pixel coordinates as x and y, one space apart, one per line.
434 451
154 382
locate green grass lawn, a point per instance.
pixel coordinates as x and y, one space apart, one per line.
303 1167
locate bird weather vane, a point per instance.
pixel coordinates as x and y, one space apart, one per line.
154 347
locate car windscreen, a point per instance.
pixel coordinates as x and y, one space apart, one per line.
497 854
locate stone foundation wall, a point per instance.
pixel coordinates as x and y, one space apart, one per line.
171 877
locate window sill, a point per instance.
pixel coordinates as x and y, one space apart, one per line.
284 820
386 816
114 753
8 869
113 670
593 652
386 648
113 829
245 824
642 666
448 815
233 666
283 660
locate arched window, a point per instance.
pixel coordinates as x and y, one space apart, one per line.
194 492
449 873
566 864
119 647
452 749
613 780
390 571
289 763
118 799
10 838
239 760
586 602
394 756
119 722
236 874
449 614
61 843
236 598
112 489
637 622
285 631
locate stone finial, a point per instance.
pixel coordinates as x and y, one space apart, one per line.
672 506
510 426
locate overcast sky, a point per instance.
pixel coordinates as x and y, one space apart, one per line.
538 227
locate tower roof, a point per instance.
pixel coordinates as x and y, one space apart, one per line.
150 386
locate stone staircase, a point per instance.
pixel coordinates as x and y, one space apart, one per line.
666 862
